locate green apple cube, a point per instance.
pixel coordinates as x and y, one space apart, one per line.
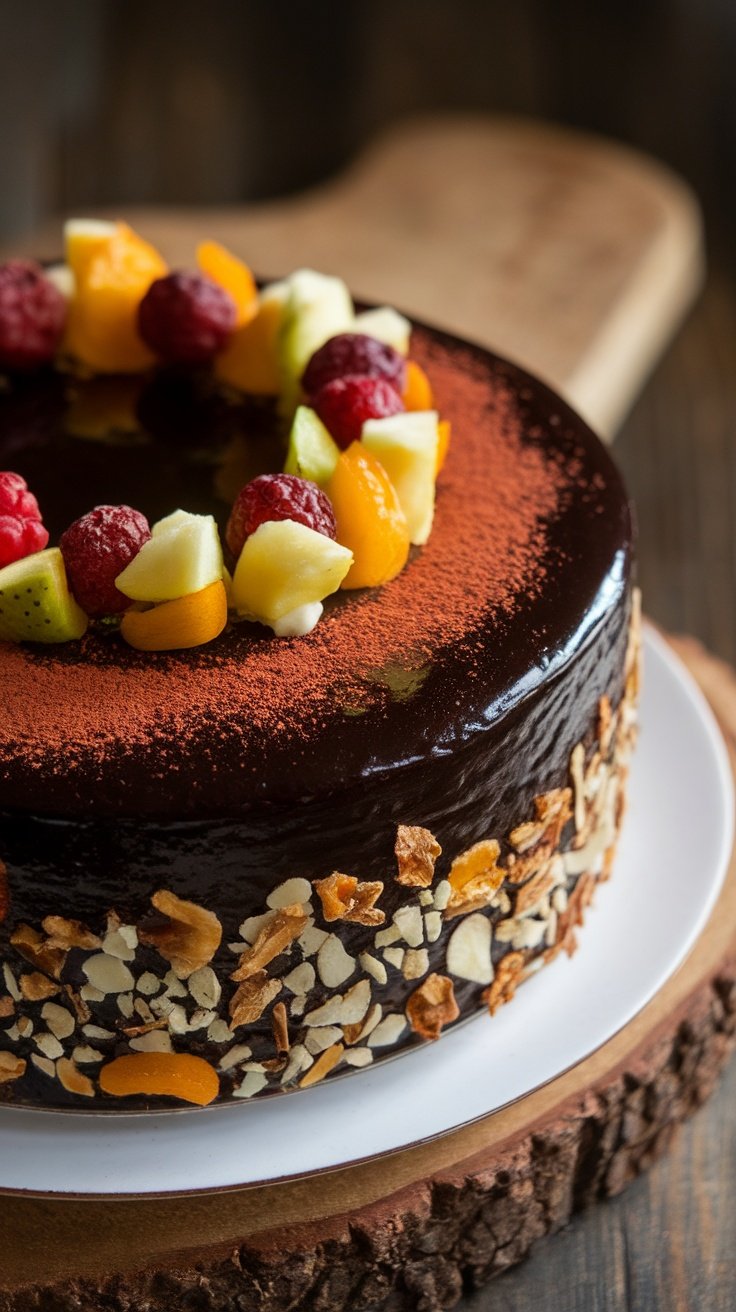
35 602
312 453
285 565
183 555
318 308
386 325
406 445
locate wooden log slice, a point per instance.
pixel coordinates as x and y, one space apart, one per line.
416 1229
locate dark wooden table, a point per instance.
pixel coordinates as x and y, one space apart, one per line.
668 1244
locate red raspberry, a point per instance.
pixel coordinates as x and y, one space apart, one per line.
344 405
21 530
278 496
96 548
186 318
355 354
32 316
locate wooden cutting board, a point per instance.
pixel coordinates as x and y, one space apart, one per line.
569 254
577 258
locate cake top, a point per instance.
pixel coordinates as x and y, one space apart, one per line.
529 549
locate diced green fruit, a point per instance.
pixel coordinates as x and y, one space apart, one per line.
406 445
312 453
386 325
183 555
318 307
35 602
284 565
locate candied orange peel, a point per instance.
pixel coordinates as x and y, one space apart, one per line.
343 897
177 625
161 1074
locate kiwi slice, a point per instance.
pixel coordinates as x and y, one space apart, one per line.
35 602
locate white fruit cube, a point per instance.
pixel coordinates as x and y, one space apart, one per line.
318 308
386 325
406 445
285 565
183 555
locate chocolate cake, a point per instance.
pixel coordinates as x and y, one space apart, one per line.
292 858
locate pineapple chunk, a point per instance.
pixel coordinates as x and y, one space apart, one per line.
406 445
183 555
284 566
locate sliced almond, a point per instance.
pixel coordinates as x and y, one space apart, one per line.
469 950
301 979
108 974
205 987
273 939
334 964
323 1065
388 1031
72 1079
35 986
11 1067
410 924
251 998
372 966
60 1021
290 892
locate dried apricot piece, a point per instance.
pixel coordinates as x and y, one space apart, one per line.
417 393
177 625
250 359
161 1074
370 521
111 276
232 275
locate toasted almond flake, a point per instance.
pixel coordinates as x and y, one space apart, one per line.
65 934
205 987
201 1018
12 1067
142 1009
7 1006
388 1031
299 1060
323 1065
550 933
442 894
507 976
35 948
354 1033
252 1084
358 1057
162 1006
415 963
521 933
416 853
384 937
219 1032
432 1006
334 964
395 957
35 987
426 898
80 1008
73 1080
86 1056
298 1004
409 922
301 979
88 993
125 1005
148 984
174 986
48 1044
188 939
311 940
235 1056
433 925
11 983
45 1065
252 997
280 1028
291 891
177 1020
319 1039
372 966
117 944
97 1032
345 1010
469 950
12 1034
273 939
559 900
108 974
25 1026
577 774
153 1041
251 928
60 1021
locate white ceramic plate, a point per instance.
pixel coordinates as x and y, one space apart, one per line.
642 925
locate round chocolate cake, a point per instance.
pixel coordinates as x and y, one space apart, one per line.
281 859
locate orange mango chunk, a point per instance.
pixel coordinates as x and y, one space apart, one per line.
161 1074
250 359
370 520
417 393
189 621
444 430
111 278
232 275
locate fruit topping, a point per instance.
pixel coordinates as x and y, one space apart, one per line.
32 316
183 555
445 432
344 404
21 529
113 268
317 307
35 602
186 318
370 520
167 1074
407 446
250 360
387 325
312 453
96 548
417 391
278 496
232 275
175 625
283 566
357 354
